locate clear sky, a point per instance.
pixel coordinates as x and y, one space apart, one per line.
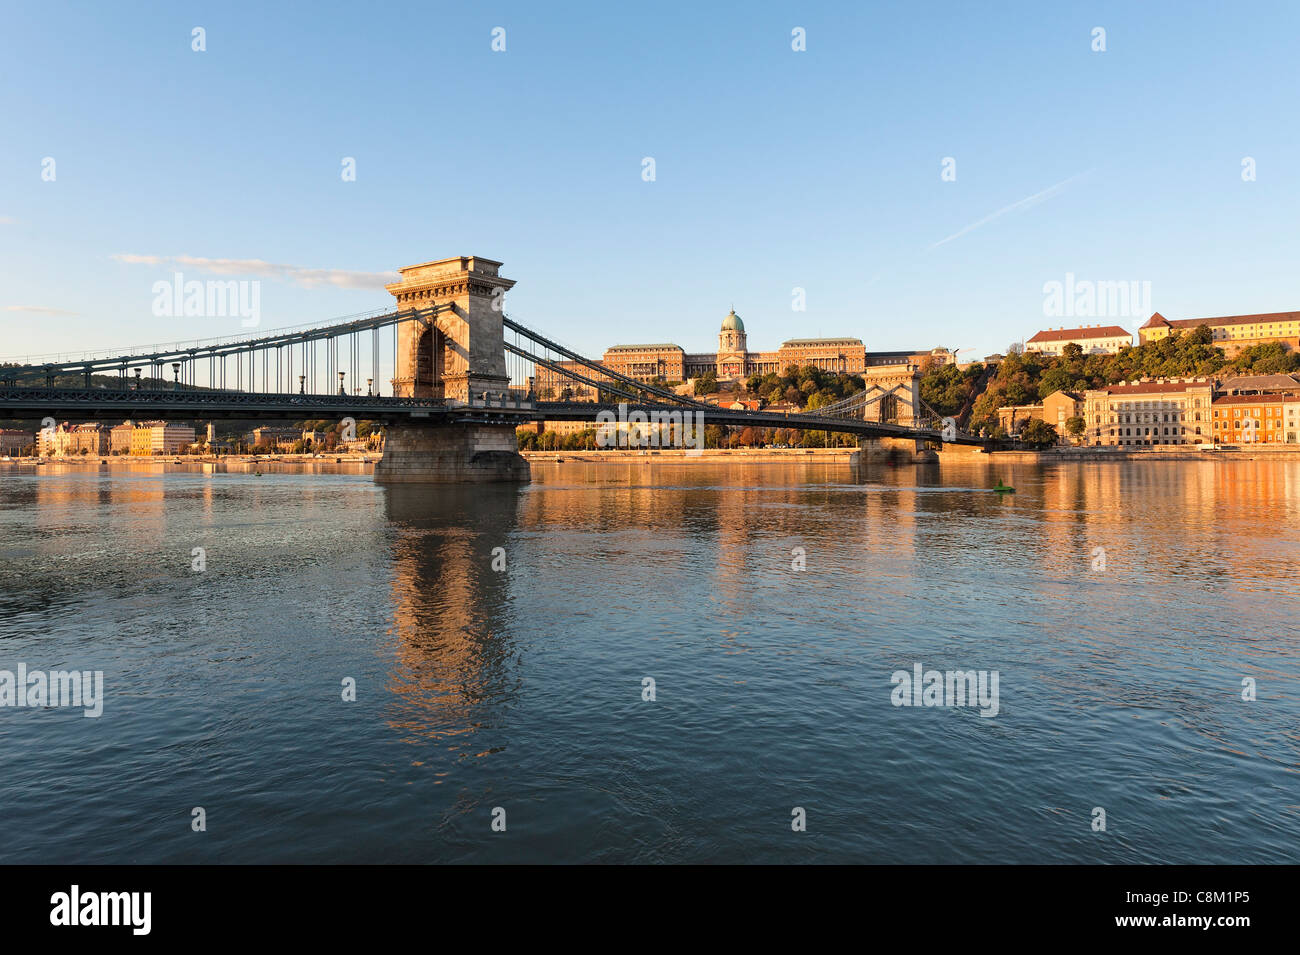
774 169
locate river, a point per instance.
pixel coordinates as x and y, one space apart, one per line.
500 640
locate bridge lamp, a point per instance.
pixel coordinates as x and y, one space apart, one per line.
370 391
137 379
301 379
176 374
341 391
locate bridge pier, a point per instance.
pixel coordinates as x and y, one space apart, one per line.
451 454
895 451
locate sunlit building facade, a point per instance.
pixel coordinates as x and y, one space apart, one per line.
1254 419
670 363
1093 339
1149 413
1232 333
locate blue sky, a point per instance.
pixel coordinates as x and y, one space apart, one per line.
775 169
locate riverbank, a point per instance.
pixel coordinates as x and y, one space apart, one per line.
687 456
1192 453
120 460
949 454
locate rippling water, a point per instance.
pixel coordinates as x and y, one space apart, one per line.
521 689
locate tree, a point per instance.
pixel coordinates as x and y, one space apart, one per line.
706 384
1039 434
945 388
1269 359
1074 427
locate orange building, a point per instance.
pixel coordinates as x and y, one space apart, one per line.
1250 419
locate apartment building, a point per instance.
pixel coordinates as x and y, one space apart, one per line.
1149 413
1255 419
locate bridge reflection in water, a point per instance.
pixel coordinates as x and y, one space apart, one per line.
463 634
455 667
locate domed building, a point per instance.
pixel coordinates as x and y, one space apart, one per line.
732 348
670 363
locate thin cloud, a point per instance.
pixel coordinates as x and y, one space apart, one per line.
8 220
37 310
1018 206
298 274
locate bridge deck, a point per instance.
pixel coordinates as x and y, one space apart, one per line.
103 403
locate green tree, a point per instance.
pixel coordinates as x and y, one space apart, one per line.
1039 434
1074 426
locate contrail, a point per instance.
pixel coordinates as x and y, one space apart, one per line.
1024 203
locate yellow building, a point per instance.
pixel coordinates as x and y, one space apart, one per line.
1149 413
1232 333
160 437
1056 409
65 440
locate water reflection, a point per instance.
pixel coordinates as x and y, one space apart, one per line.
456 669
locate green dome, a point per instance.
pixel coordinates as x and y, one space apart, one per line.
732 323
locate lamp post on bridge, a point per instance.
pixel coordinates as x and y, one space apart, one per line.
301 379
176 376
342 392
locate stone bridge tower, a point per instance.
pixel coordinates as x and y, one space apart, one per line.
462 351
457 357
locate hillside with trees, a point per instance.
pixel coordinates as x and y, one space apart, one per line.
1028 378
808 387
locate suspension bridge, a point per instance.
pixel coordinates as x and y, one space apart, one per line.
464 376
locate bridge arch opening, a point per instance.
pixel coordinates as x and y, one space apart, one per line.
431 353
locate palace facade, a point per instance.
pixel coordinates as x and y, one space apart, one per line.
670 363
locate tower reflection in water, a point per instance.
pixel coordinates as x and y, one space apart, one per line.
455 670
